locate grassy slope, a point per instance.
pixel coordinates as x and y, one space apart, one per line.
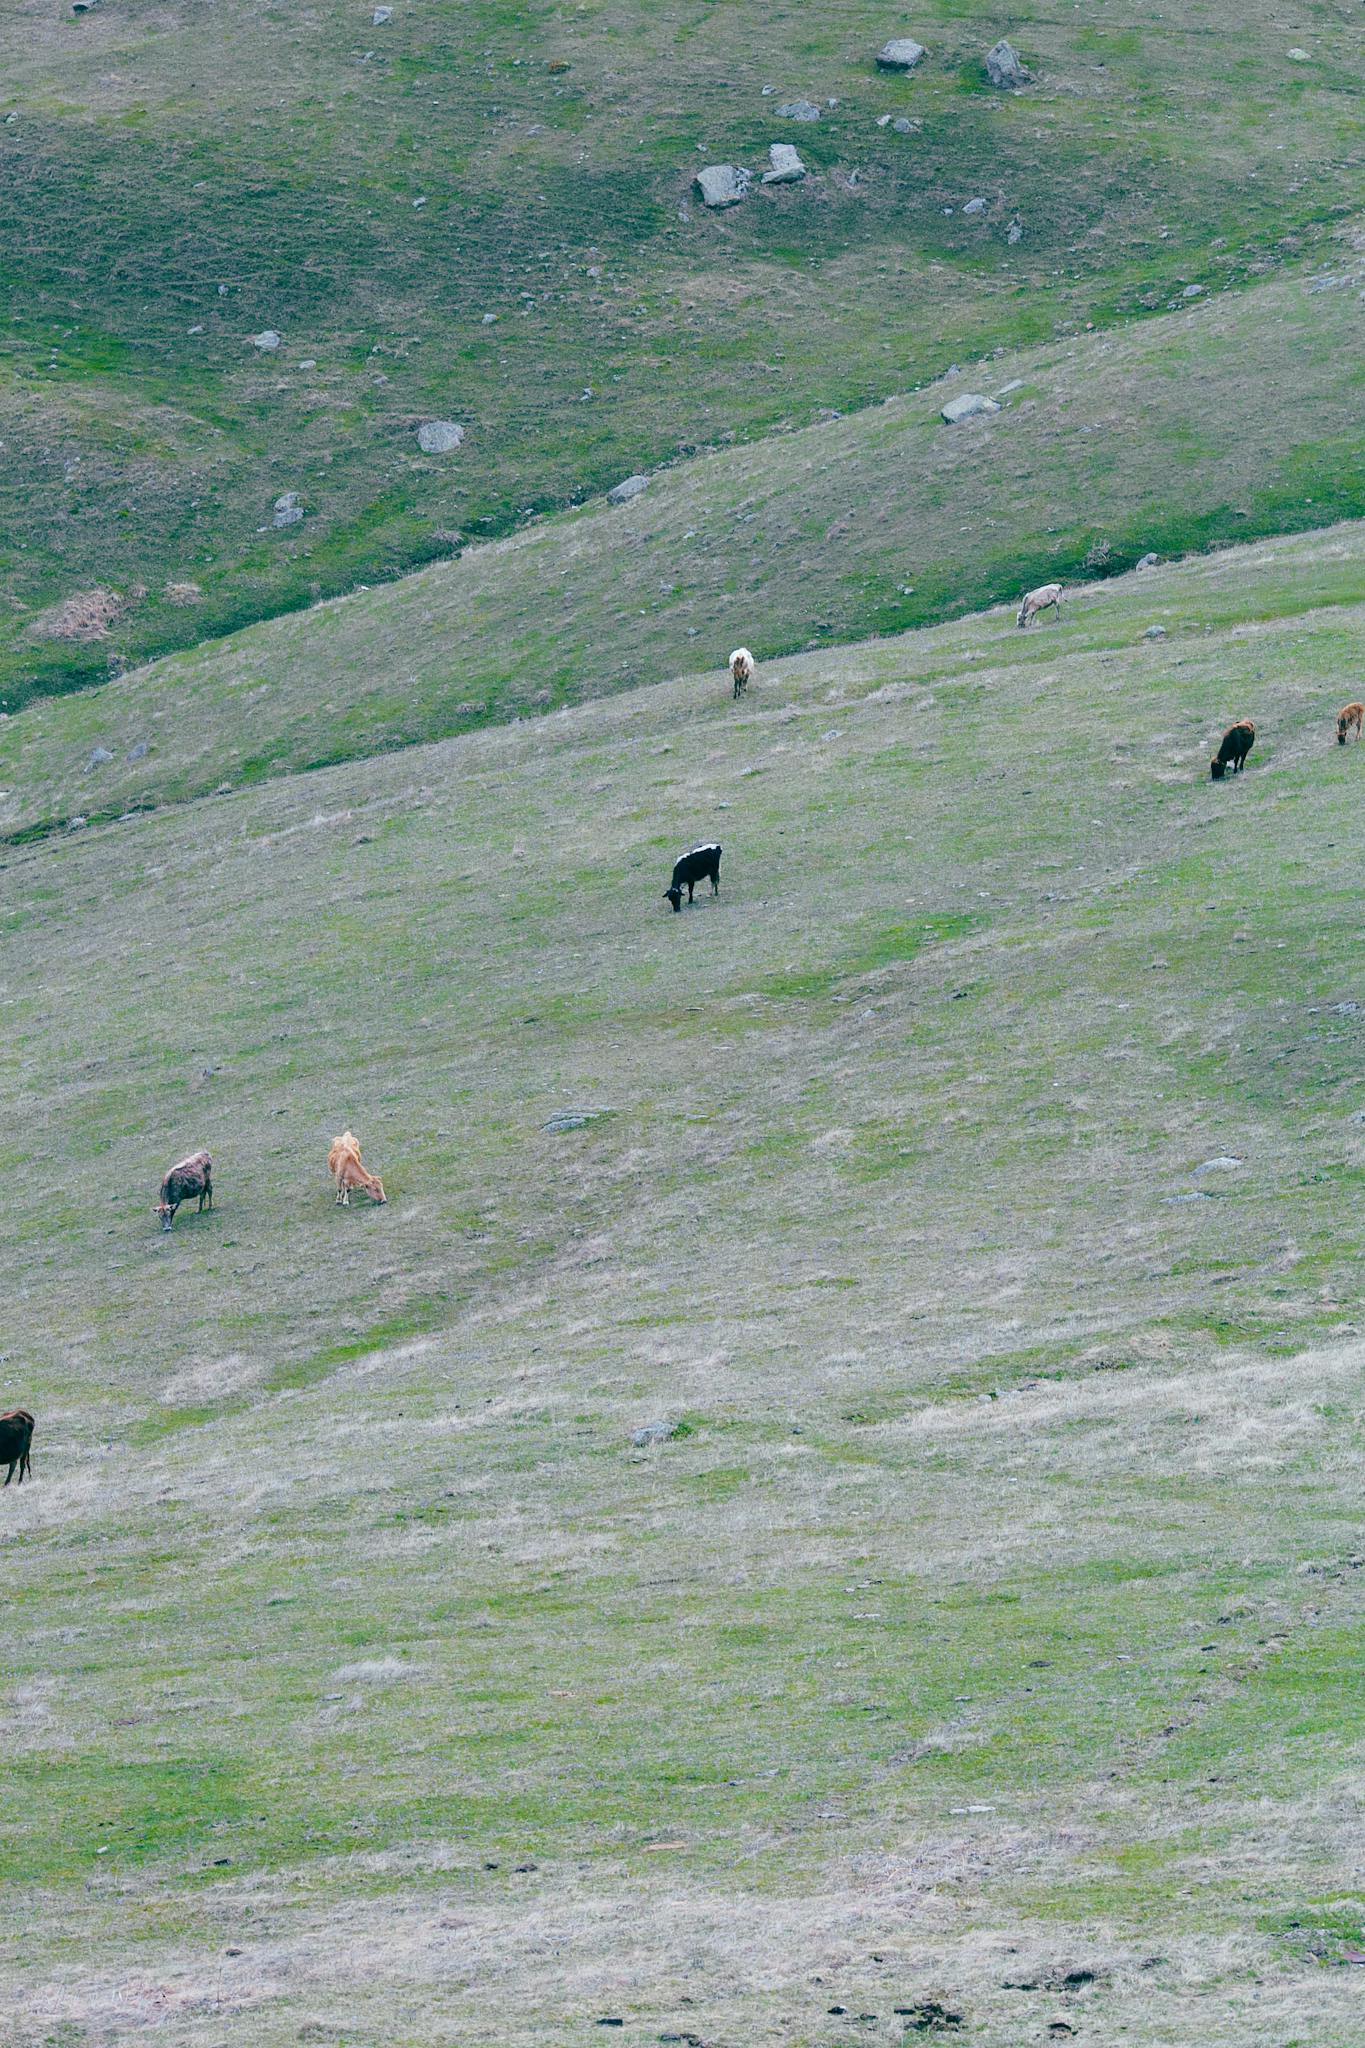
174 180
1242 415
996 1616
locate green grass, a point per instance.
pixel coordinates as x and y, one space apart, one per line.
167 194
991 1616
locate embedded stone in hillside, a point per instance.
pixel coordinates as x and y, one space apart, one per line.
631 487
723 184
288 510
100 758
975 206
1155 633
266 341
381 15
787 167
968 407
1148 562
902 53
799 110
439 437
1005 69
653 1433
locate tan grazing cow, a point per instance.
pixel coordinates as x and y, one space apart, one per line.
741 670
1038 601
344 1165
1349 721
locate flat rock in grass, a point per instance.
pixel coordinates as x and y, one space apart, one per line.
723 184
653 1433
575 1119
267 341
799 110
288 511
1005 69
975 206
631 487
968 407
1190 1197
902 53
1155 633
787 167
439 437
1226 1162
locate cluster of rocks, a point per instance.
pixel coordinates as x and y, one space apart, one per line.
727 184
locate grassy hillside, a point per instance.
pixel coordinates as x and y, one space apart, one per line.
483 213
1242 416
974 1186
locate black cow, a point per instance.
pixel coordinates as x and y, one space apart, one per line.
16 1434
191 1177
1237 743
702 864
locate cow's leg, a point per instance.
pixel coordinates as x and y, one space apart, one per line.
715 883
9 1475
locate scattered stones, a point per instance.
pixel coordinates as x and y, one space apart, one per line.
1148 562
723 184
1155 633
787 167
975 206
288 511
267 341
182 593
575 1119
930 2018
87 615
902 53
799 110
968 407
1005 69
630 487
439 437
653 1433
100 758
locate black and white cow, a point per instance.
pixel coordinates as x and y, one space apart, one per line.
700 865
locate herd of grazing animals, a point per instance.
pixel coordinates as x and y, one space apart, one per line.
191 1178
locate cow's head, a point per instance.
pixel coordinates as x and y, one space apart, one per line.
165 1212
673 895
374 1188
1217 769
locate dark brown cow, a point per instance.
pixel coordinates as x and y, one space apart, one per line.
1236 744
16 1434
1349 721
188 1178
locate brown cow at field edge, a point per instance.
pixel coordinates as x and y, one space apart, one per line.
16 1434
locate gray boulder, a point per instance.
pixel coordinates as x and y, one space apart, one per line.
787 167
1148 562
799 110
903 125
100 758
723 184
967 407
439 437
288 511
138 751
975 206
267 341
622 493
1155 633
1015 233
1004 68
653 1433
902 53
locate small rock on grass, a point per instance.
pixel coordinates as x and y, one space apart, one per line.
575 1119
631 487
1155 633
787 167
1004 67
723 184
439 437
799 110
1148 562
288 511
267 341
653 1433
967 407
100 758
902 53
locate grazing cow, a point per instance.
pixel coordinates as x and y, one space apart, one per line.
344 1165
1037 601
742 669
191 1177
16 1434
1237 743
1350 718
702 864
